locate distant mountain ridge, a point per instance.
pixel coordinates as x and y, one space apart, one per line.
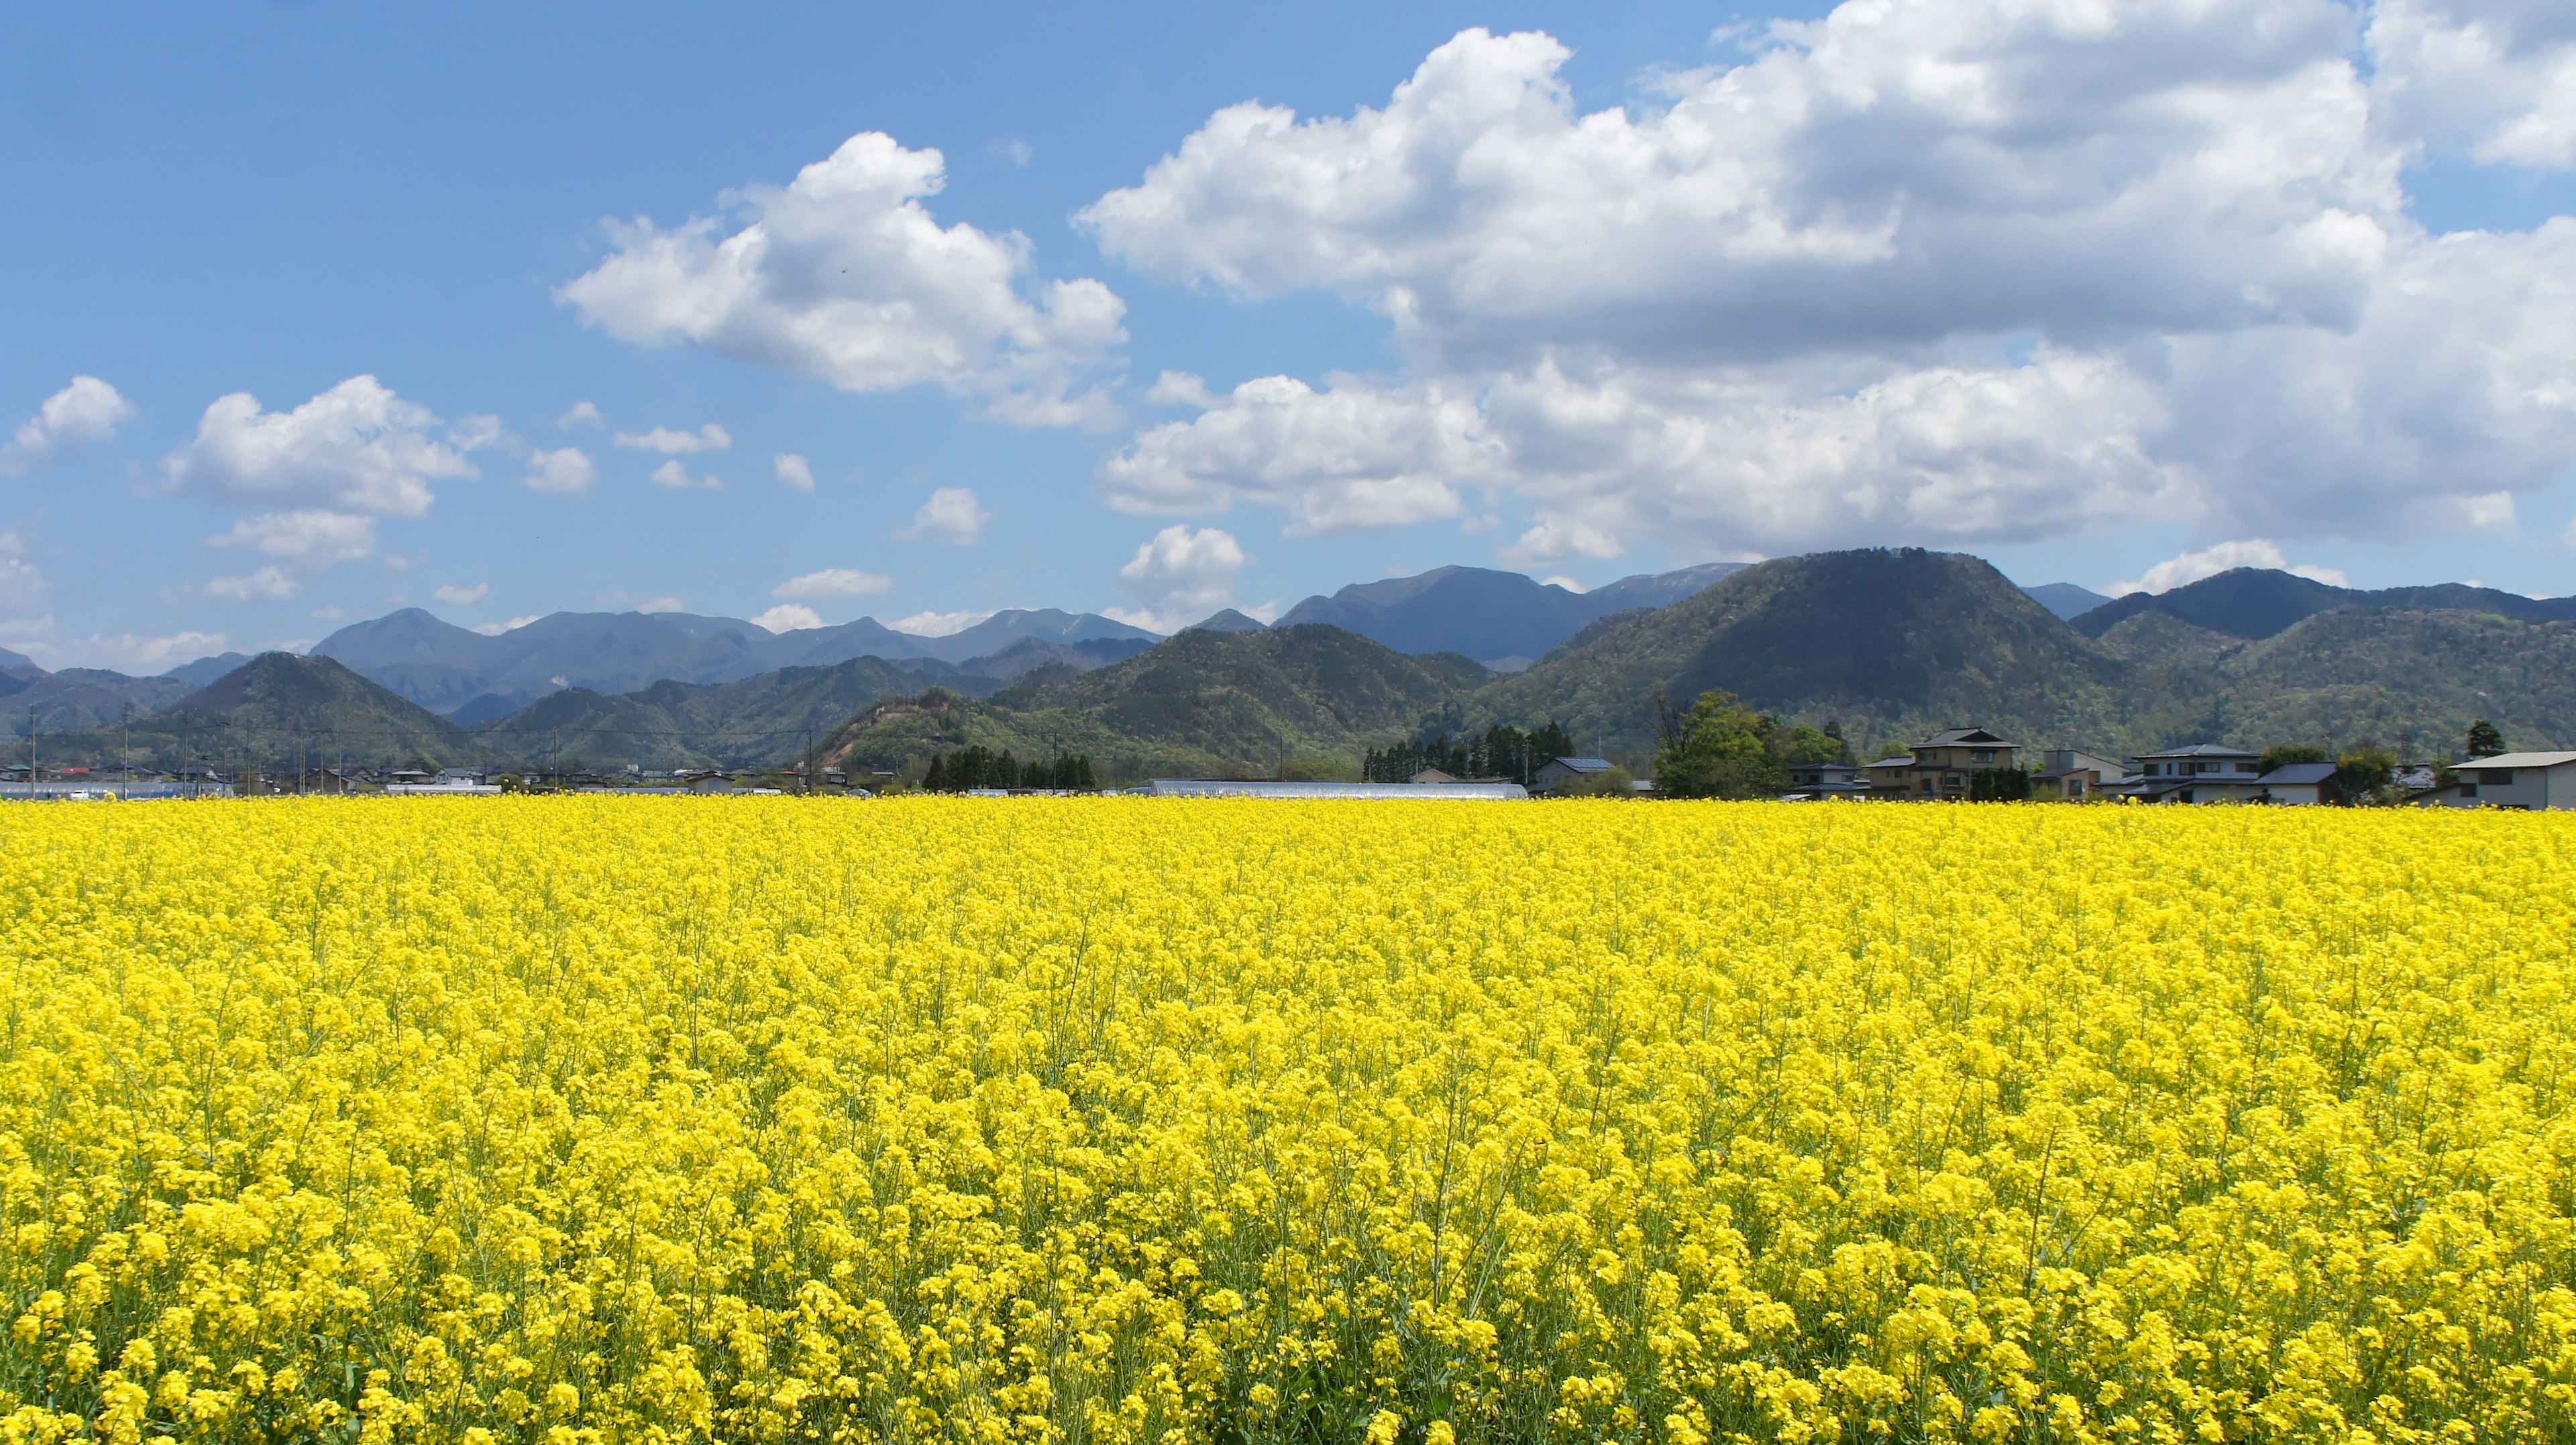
1486 614
455 670
2259 602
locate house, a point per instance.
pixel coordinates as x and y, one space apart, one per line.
2299 784
2201 773
1816 781
1941 766
2079 777
1431 775
1560 773
2513 780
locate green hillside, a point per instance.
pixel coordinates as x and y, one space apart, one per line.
274 711
757 721
1890 644
1203 703
2412 681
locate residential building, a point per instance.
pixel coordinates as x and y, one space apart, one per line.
2075 776
1814 781
2299 785
2514 780
2201 773
1944 765
1560 773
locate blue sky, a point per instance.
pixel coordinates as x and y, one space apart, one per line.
1577 370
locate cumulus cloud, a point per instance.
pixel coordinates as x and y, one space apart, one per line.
674 473
794 471
2494 77
2191 567
952 514
939 624
1180 576
830 584
709 438
661 604
305 538
355 448
495 629
135 654
582 413
788 617
269 584
844 275
1957 272
1888 173
562 469
455 596
85 413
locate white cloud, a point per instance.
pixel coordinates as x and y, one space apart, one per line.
1954 271
21 581
583 413
455 596
844 275
267 584
85 413
1013 149
788 617
495 629
308 537
1568 583
661 604
832 583
1354 455
357 448
793 470
2191 567
1180 576
675 474
709 438
938 624
1886 174
480 433
563 469
952 514
2494 77
126 652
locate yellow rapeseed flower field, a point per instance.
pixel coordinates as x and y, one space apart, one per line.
1117 1120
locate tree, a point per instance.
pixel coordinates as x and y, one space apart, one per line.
2485 739
1721 749
2362 773
1806 746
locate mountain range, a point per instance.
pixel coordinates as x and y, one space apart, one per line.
1887 644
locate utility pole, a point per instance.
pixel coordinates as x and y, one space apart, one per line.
31 752
125 762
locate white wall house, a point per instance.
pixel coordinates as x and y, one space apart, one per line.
2514 780
2201 773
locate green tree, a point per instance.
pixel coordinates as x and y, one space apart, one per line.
1806 746
2362 773
1720 749
2485 739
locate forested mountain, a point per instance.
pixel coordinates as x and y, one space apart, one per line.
1891 644
751 722
1202 703
272 712
80 697
1895 645
2257 602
